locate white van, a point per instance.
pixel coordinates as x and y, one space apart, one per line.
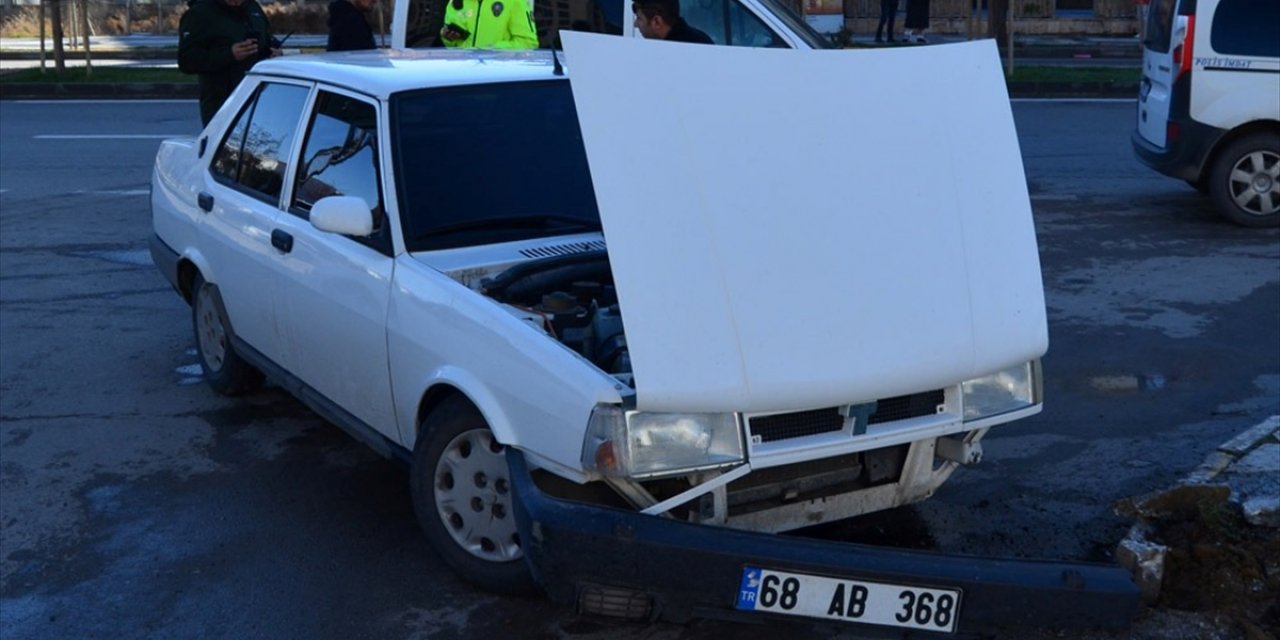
748 23
1209 104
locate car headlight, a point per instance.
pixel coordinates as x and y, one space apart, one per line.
642 444
1014 388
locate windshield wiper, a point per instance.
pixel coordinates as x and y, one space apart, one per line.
535 221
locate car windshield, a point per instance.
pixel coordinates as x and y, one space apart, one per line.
490 163
798 25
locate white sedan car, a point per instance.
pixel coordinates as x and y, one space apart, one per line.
411 243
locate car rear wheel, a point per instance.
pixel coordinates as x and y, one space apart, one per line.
223 368
462 495
1245 181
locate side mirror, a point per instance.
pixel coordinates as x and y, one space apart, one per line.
347 215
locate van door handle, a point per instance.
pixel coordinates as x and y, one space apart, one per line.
205 201
281 240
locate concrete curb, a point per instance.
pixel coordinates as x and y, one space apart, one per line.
1254 452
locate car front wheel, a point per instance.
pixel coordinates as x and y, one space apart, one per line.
222 367
1245 181
462 496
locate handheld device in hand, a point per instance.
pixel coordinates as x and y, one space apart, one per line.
459 31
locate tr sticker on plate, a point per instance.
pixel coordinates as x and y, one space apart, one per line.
810 596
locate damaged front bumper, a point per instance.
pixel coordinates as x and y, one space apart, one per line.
614 562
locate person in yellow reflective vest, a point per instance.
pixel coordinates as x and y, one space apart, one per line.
489 24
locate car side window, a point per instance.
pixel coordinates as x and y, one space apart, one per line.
254 157
340 158
1246 28
226 161
728 22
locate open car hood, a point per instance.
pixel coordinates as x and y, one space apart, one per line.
800 229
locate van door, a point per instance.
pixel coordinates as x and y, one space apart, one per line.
1237 63
1166 32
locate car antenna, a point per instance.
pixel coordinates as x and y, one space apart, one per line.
557 70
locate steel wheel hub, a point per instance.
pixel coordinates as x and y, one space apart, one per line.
473 497
1255 183
209 331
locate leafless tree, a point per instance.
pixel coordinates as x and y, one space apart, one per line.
84 24
55 19
997 21
41 15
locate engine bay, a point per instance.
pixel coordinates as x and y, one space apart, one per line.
573 299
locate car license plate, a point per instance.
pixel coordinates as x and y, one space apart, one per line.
894 605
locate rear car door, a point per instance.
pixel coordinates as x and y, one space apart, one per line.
334 289
241 193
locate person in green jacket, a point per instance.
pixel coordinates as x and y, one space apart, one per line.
219 40
489 24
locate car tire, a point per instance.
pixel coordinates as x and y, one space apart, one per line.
461 488
1244 181
223 368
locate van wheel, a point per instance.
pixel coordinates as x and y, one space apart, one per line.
461 488
1245 181
222 367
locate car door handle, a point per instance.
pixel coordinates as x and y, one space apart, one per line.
281 240
205 201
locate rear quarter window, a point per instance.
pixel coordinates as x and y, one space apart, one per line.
1246 28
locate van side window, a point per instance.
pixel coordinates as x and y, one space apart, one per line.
728 22
1246 28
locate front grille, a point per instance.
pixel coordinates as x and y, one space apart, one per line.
615 602
784 426
796 425
909 406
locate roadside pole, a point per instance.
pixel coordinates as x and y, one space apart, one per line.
41 13
1011 22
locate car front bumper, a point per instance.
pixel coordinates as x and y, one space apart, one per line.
647 567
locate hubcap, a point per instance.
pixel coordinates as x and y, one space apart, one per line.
209 331
473 497
1254 183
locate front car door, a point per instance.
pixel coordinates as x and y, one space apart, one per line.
334 288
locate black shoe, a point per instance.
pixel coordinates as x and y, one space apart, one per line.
891 39
879 39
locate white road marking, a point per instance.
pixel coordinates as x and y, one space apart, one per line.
168 100
110 136
116 192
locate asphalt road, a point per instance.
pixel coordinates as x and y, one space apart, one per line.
138 504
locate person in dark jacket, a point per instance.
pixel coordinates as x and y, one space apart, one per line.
219 40
660 20
349 30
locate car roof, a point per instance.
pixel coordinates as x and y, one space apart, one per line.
381 73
